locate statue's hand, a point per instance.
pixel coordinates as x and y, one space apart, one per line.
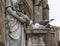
31 22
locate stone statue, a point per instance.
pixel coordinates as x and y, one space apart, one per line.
14 19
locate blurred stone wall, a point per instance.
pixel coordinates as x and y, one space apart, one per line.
0 21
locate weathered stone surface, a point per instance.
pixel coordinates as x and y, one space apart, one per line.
46 12
2 44
41 12
30 3
38 13
0 22
34 35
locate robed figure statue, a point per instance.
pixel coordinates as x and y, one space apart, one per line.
14 20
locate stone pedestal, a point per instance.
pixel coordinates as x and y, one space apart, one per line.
33 37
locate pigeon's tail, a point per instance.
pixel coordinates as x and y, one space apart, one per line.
49 22
51 19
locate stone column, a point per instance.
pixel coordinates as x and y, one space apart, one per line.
38 13
45 9
37 10
46 12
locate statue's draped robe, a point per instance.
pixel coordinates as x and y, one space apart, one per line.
14 33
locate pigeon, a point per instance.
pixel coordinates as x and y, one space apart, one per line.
45 22
37 25
41 24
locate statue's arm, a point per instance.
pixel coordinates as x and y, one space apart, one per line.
13 13
26 18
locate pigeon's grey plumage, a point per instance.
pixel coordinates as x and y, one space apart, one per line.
45 22
41 24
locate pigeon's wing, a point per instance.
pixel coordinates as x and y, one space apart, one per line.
43 23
